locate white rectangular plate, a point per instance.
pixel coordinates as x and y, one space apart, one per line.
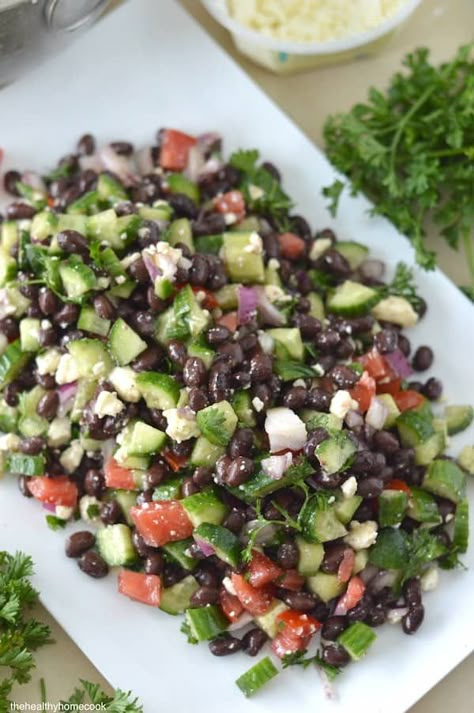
147 66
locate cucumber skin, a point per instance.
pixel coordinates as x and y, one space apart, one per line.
445 479
253 679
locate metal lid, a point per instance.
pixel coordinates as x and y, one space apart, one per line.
70 15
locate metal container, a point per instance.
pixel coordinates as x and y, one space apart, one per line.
30 30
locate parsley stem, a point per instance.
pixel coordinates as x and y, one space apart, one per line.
43 690
465 150
469 252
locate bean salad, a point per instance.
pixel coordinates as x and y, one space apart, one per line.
227 400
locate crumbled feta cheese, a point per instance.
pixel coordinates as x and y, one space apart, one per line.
255 245
257 404
255 192
228 585
63 512
200 296
299 382
318 369
274 264
120 279
45 324
276 294
341 403
108 404
394 616
72 456
7 308
397 310
362 534
285 430
129 259
230 218
449 517
47 363
59 432
165 258
319 247
266 342
85 503
103 282
181 424
9 442
120 454
429 579
67 370
124 381
349 487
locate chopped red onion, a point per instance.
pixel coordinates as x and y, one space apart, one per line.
66 393
399 363
276 466
267 311
372 269
118 164
212 166
368 573
328 687
248 301
208 142
49 507
90 163
196 162
34 180
353 419
265 534
384 578
376 414
205 547
144 161
242 621
150 265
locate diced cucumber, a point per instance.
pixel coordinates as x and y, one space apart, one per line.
317 306
43 225
390 549
346 507
127 230
446 479
177 551
85 391
8 267
225 544
357 639
109 189
160 211
335 453
180 231
461 526
206 622
115 545
227 297
77 278
177 598
427 451
319 419
352 299
311 554
126 499
320 524
205 453
458 418
289 338
86 204
392 507
261 484
242 263
72 222
360 561
9 235
30 334
159 390
8 417
422 507
325 586
217 422
183 320
355 253
242 405
169 490
209 244
199 347
252 680
268 622
204 506
89 321
272 275
393 412
12 362
135 463
90 357
125 344
144 440
30 424
466 459
25 465
414 428
178 183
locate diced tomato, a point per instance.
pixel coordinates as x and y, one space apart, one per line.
174 149
291 580
161 521
230 605
210 301
54 491
397 484
389 387
116 476
375 365
262 570
292 247
174 461
346 566
255 601
231 202
298 623
352 596
229 320
363 391
287 642
144 588
50 201
408 399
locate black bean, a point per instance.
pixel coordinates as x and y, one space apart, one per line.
412 592
432 389
199 271
218 335
32 446
295 398
194 372
177 352
94 483
241 442
264 393
9 328
10 179
314 439
204 596
23 481
11 392
202 476
234 521
123 148
370 487
172 574
48 405
272 170
140 545
86 145
377 615
423 358
301 227
253 641
156 474
412 621
239 471
210 224
143 322
154 563
111 513
225 645
104 307
335 655
79 542
207 575
333 627
333 262
301 601
197 399
48 302
309 326
446 508
327 340
71 241
288 555
361 610
67 314
333 555
386 341
319 399
183 206
148 359
260 368
34 310
19 211
404 345
93 564
343 376
48 336
386 442
189 487
222 466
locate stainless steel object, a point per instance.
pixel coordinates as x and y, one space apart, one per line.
30 30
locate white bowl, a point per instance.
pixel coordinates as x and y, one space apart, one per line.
287 57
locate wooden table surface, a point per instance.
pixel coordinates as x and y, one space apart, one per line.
308 98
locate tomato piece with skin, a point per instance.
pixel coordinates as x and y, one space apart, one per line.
231 202
210 301
408 399
291 580
376 365
161 521
255 601
346 566
363 391
141 587
352 596
174 461
229 320
287 642
174 149
397 484
230 605
298 623
292 247
389 387
116 476
261 570
54 491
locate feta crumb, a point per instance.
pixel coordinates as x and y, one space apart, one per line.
123 379
120 279
84 504
266 342
228 585
331 500
255 245
103 282
394 616
63 512
429 579
7 308
397 310
200 296
276 294
108 404
230 218
181 424
257 404
165 258
72 456
45 324
129 259
9 442
349 487
255 192
449 517
285 429
67 370
274 264
341 403
47 363
319 247
59 432
299 382
362 534
318 369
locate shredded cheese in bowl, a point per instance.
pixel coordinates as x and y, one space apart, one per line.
312 20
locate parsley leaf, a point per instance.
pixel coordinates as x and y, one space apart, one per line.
55 523
186 630
120 702
403 285
290 370
299 658
422 548
333 192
